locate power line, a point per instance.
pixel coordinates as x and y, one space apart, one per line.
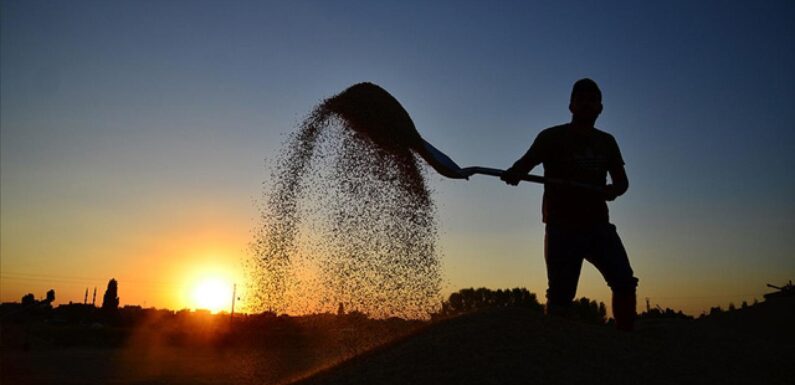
72 282
67 279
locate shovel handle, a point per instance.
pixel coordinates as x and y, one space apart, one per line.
531 178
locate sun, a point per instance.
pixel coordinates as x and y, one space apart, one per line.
213 294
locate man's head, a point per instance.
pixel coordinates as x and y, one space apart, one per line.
586 101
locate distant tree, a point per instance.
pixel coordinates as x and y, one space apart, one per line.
744 305
659 313
356 316
341 310
731 306
590 311
110 301
470 300
28 299
715 310
50 296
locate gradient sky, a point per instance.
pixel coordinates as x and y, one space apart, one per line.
137 136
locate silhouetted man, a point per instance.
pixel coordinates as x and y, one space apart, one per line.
577 221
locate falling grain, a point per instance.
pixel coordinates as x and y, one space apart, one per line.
349 218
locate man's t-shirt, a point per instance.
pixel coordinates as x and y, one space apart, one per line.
575 154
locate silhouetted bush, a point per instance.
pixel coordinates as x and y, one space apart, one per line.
589 311
28 299
664 314
470 300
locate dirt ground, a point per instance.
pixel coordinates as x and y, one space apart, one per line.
748 346
161 365
510 346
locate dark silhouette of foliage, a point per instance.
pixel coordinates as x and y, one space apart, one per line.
668 313
28 299
110 301
50 296
589 311
470 300
355 316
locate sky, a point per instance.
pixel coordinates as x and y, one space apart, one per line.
136 137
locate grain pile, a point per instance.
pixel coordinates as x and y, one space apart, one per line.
349 218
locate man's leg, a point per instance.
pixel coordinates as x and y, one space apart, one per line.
610 257
563 252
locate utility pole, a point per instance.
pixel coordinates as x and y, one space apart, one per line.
94 300
234 296
648 307
85 297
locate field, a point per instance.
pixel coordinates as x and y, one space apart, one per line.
752 345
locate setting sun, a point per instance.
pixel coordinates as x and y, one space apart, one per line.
214 294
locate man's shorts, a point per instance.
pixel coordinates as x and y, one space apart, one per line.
565 247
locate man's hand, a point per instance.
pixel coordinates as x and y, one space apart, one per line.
511 176
610 192
620 183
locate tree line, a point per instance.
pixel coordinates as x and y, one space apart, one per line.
472 300
110 300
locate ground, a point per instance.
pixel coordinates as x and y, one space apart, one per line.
513 346
505 346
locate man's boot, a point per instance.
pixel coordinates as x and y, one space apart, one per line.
624 311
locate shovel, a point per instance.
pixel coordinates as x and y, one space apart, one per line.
447 167
375 113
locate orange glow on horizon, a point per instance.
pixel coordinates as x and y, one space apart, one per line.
209 281
213 294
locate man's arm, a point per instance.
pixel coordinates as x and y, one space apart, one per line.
521 167
620 183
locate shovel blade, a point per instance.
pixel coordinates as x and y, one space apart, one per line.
440 162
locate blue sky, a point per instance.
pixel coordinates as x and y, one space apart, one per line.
125 123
